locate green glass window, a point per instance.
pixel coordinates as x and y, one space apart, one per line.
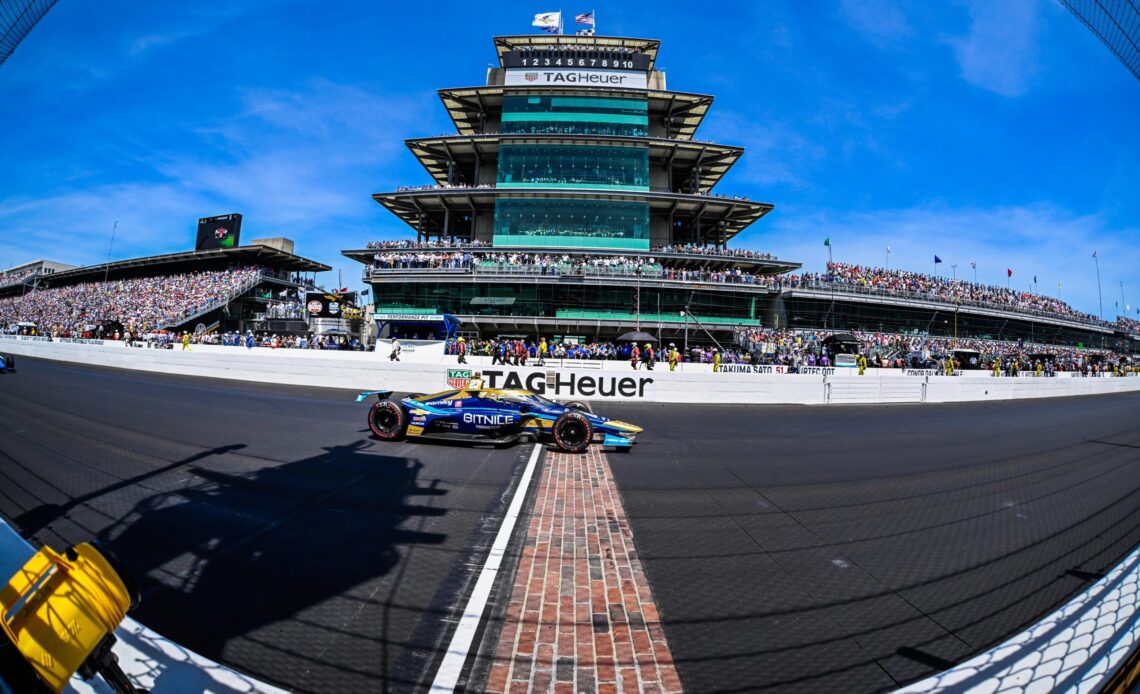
573 166
575 115
572 223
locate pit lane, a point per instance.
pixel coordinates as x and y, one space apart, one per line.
802 548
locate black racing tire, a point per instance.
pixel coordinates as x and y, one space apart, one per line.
572 432
578 405
9 362
387 420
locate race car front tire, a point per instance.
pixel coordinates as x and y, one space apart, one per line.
387 420
572 432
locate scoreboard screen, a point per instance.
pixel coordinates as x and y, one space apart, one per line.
218 232
578 59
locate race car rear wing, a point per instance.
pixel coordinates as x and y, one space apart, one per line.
380 395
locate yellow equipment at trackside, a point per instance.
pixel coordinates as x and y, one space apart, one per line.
59 608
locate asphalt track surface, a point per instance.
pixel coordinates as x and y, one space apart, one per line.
789 548
857 548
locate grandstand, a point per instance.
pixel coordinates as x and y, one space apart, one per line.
21 278
239 288
574 202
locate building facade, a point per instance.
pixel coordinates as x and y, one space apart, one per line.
573 200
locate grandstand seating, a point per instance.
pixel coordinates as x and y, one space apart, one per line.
146 303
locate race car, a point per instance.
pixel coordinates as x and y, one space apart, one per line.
7 362
494 415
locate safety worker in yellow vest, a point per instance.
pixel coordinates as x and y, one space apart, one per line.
674 357
716 360
861 362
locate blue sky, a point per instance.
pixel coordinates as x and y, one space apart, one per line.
996 132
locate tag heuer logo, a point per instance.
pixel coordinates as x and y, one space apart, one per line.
458 378
530 76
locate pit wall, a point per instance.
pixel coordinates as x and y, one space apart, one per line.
584 380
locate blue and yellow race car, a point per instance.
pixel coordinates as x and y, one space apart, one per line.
7 362
494 415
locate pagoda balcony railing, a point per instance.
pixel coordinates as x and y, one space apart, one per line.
679 252
569 186
624 273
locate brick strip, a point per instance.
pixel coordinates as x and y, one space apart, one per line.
582 616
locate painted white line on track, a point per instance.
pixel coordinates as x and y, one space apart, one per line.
447 676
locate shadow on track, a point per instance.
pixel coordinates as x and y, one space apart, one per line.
283 565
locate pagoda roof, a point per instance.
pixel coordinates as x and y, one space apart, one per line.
714 160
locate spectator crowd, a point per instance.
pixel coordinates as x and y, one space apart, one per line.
138 304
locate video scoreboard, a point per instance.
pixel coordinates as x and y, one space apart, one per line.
218 232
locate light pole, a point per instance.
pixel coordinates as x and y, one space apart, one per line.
1122 303
888 257
1100 299
974 264
954 269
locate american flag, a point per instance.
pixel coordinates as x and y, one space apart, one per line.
587 19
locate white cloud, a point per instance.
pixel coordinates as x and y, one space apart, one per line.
300 164
1000 52
880 21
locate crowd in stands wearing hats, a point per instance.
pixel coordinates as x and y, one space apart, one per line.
795 349
139 304
443 186
10 278
918 285
1128 324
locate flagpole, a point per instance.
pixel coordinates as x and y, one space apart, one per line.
1122 296
1099 297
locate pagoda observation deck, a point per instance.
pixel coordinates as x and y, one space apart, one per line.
573 188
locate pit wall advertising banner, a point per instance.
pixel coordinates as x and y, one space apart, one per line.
524 77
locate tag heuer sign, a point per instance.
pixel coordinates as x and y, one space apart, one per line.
458 378
531 76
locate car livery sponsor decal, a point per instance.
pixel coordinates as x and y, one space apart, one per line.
490 420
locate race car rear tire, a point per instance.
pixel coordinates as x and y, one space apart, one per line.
572 432
9 362
578 405
387 420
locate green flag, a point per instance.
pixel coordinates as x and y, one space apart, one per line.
827 242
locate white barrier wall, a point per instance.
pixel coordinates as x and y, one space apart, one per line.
694 383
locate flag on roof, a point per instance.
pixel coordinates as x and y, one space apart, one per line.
1009 272
548 21
827 242
974 264
587 18
937 260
